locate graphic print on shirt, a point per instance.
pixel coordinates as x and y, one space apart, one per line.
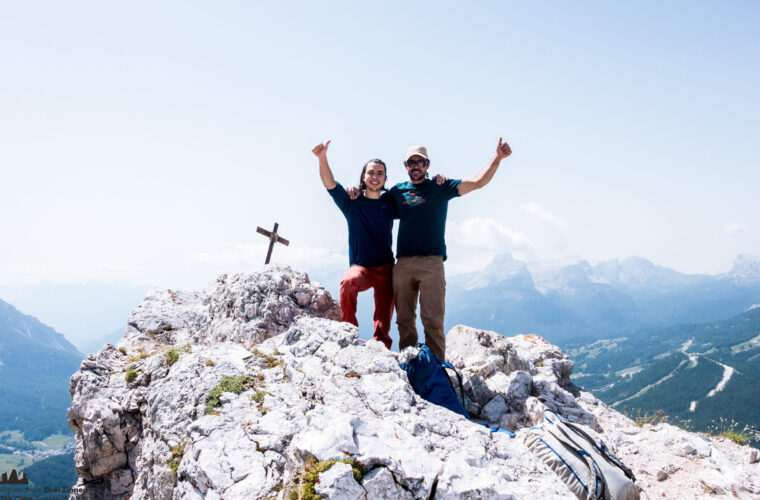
413 198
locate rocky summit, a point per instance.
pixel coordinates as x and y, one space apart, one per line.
252 388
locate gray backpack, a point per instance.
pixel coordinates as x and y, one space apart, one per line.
581 460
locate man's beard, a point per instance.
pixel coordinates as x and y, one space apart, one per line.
416 174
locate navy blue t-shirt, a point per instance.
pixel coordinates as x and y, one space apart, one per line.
422 212
370 227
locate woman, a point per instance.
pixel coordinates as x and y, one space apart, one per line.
370 225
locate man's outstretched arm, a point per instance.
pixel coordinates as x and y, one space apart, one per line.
484 176
320 151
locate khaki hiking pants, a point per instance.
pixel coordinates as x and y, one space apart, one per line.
422 277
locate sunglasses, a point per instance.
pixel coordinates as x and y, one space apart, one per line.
417 163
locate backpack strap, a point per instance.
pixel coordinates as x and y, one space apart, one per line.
448 365
570 468
500 429
559 432
557 417
602 450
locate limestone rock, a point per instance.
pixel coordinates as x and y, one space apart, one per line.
495 408
338 483
121 481
229 392
506 372
380 485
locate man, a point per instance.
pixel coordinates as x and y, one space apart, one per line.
421 245
370 225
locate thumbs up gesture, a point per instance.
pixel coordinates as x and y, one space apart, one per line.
503 150
320 150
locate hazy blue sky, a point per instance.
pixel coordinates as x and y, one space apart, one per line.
143 142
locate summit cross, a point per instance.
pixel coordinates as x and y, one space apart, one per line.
273 238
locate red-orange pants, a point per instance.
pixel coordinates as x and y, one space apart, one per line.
358 279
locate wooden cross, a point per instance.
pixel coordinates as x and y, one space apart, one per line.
273 237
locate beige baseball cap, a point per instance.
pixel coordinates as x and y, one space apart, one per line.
416 150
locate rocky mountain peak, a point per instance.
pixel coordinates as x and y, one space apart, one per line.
638 274
234 391
746 269
502 268
17 324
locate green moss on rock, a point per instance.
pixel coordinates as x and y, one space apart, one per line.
271 361
176 458
310 477
235 385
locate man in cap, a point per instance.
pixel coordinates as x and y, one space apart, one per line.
421 245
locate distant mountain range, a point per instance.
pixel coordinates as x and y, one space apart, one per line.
36 363
578 301
30 329
82 312
643 337
581 300
696 373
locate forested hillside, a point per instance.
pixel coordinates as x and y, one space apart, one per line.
697 374
36 363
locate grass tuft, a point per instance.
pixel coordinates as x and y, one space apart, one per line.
235 385
310 477
655 418
738 437
172 355
271 361
140 356
259 396
175 459
729 429
130 375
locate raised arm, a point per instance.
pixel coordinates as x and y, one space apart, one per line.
320 151
484 176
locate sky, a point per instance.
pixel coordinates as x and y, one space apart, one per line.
142 143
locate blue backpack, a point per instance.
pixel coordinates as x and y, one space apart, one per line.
429 380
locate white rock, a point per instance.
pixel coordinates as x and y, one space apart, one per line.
519 388
121 481
338 483
495 408
380 485
314 392
328 435
509 421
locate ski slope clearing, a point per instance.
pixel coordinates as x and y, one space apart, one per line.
728 371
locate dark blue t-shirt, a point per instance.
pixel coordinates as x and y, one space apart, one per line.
422 210
370 227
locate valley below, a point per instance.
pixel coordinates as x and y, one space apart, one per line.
705 377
